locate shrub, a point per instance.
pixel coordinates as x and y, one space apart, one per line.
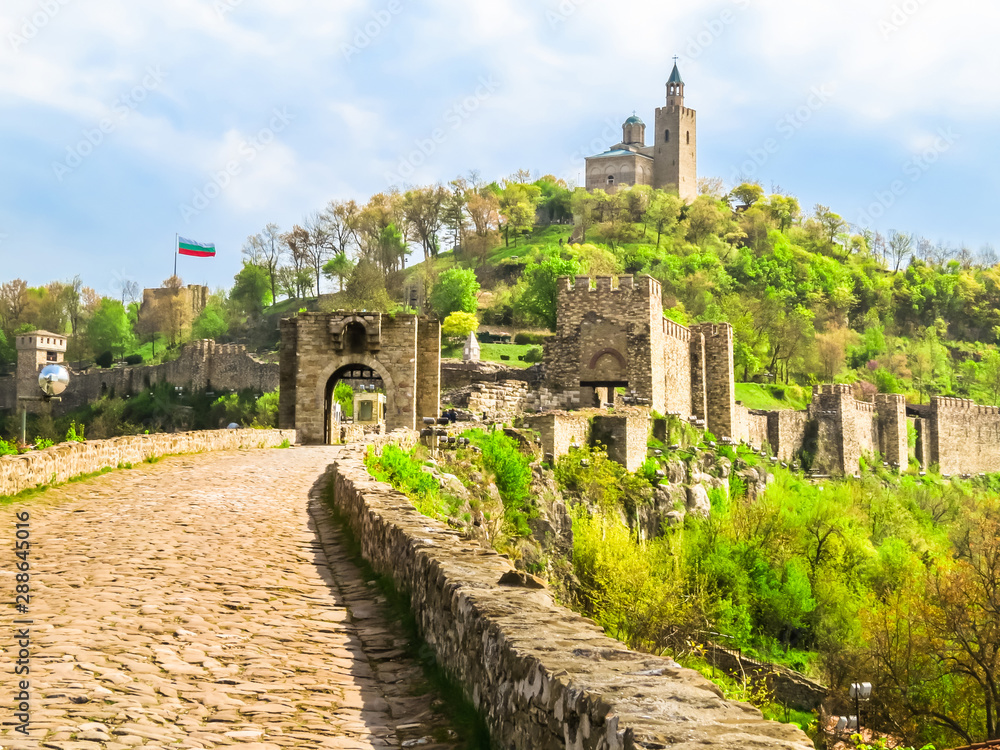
525 338
75 433
43 443
104 359
512 473
7 449
534 354
133 359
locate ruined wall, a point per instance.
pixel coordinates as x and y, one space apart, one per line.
846 429
624 434
62 462
790 688
751 425
560 430
203 365
458 374
174 309
543 677
428 356
498 402
696 352
964 436
720 379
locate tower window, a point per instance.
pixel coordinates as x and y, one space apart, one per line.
666 136
689 138
611 179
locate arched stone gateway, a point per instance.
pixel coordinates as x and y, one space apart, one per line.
404 351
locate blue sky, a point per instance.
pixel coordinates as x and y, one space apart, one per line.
126 122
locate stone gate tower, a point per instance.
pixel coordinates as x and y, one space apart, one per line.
675 163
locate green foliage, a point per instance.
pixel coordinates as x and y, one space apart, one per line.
109 328
456 290
459 325
537 300
527 338
134 359
8 448
43 443
512 475
534 354
75 433
343 394
211 323
252 291
105 359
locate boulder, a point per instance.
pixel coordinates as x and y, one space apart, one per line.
698 503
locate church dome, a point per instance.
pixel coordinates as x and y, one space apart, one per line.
633 120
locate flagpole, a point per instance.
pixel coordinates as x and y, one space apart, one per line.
177 240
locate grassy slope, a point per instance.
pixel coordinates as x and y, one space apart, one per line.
770 397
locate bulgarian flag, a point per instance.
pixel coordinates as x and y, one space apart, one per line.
197 249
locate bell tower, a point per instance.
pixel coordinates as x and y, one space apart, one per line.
675 161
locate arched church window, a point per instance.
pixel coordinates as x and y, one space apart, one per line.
611 179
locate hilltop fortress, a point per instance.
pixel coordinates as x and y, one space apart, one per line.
670 163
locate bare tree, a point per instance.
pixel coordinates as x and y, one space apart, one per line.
266 249
13 301
900 248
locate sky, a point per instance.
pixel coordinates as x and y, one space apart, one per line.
125 123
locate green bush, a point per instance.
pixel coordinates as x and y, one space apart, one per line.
133 359
104 359
75 433
8 449
43 443
534 354
524 338
512 472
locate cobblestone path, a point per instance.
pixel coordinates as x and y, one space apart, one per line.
205 601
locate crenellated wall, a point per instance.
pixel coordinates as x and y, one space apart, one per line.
964 437
543 677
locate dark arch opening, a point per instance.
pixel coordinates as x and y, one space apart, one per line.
357 377
355 338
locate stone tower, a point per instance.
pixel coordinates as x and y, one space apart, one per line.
675 164
34 351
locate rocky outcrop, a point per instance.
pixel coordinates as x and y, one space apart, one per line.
542 676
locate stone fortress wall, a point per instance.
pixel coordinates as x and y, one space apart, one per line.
203 365
542 676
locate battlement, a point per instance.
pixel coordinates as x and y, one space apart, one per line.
683 111
647 286
890 398
950 404
675 330
713 330
833 389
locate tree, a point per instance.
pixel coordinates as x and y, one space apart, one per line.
13 301
785 210
423 208
110 329
456 289
663 212
748 193
366 287
453 211
900 248
584 203
252 290
832 224
338 267
517 208
211 323
459 324
341 221
316 245
538 286
832 347
266 249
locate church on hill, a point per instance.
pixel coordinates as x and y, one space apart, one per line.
671 163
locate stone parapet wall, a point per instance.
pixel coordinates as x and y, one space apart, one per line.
559 430
624 434
790 688
498 402
456 374
67 460
786 432
542 676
